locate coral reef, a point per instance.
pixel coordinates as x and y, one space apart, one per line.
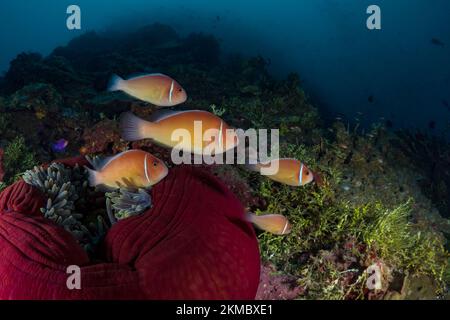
338 233
415 288
276 286
431 156
16 158
384 195
5 120
103 137
28 68
39 97
2 170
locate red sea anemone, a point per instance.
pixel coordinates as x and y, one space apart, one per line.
192 244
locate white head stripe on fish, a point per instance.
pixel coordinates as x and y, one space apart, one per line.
220 135
171 92
145 168
285 227
300 175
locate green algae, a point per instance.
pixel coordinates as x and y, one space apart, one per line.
5 120
17 159
369 207
323 223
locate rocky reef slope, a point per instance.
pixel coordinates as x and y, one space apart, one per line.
384 199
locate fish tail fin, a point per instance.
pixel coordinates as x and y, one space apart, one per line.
272 223
252 162
94 178
250 217
132 128
255 220
115 83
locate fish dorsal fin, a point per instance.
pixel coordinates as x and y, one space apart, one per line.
289 159
100 162
135 76
162 114
158 74
268 162
97 162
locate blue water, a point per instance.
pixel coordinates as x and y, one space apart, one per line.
340 61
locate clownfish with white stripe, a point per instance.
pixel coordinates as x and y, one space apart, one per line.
274 223
194 131
131 169
155 88
290 171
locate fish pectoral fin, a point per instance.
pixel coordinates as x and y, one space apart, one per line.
122 185
119 184
90 161
127 183
104 188
100 162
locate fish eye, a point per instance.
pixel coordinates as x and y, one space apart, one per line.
155 163
180 90
307 173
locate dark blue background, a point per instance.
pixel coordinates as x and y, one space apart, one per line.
340 61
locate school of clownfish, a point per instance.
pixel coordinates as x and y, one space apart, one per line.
140 169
